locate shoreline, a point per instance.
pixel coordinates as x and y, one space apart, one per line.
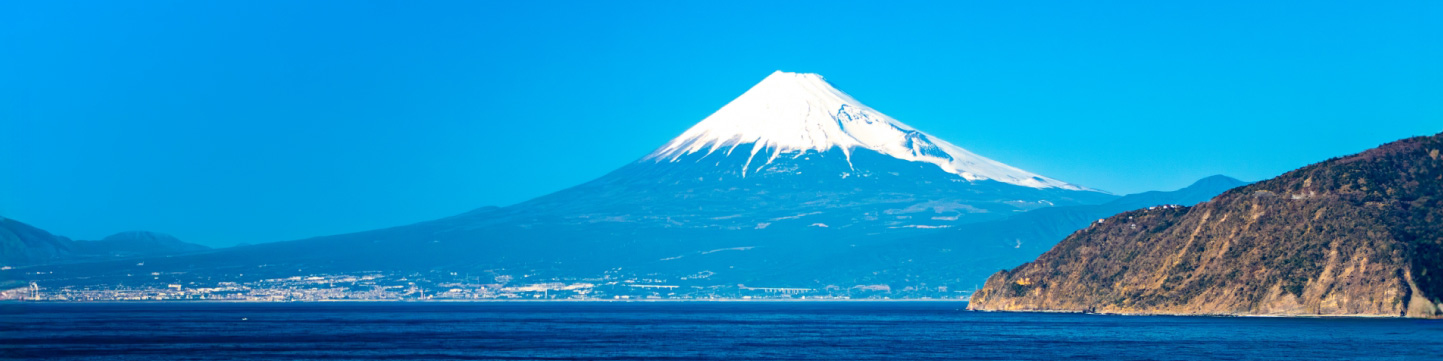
1163 314
598 300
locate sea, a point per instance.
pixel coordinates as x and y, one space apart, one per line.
738 330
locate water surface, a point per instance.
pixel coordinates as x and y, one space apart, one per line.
680 331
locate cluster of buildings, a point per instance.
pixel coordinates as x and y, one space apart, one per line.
437 286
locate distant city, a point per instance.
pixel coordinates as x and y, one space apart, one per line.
444 286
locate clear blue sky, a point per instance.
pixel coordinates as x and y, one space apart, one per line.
254 121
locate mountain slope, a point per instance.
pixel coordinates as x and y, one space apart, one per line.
23 245
1358 235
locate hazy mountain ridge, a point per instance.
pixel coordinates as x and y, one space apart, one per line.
1356 235
137 243
22 244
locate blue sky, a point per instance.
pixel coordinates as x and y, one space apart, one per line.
254 121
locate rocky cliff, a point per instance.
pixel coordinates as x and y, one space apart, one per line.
1357 235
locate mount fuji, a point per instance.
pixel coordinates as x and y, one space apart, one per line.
792 184
795 151
797 114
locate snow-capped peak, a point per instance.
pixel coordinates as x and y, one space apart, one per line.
798 112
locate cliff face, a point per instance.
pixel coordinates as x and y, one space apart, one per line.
1358 235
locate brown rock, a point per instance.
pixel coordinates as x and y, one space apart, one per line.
1359 235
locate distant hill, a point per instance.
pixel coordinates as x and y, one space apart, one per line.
136 243
1357 235
22 245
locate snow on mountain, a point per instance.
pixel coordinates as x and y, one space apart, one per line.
792 113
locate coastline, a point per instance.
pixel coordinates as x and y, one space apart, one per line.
963 303
1361 316
597 300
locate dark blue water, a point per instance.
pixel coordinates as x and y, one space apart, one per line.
680 331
